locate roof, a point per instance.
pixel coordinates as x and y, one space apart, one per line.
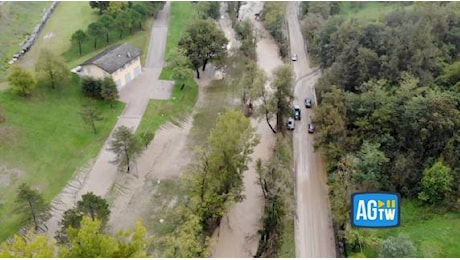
114 57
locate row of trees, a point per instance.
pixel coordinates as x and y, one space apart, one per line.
273 18
121 16
389 106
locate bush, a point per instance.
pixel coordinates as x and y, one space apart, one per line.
397 247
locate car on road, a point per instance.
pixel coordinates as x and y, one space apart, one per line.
294 57
308 102
290 124
311 128
296 113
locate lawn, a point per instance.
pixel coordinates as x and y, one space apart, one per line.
181 13
17 19
368 10
67 18
47 141
434 235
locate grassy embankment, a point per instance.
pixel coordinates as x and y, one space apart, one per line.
45 137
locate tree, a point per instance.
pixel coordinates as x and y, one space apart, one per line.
109 90
180 67
436 183
254 80
101 5
22 81
117 7
90 115
30 205
136 18
397 247
79 36
371 167
91 87
207 9
217 182
51 69
125 146
108 22
123 22
280 103
91 206
89 242
32 246
96 29
203 42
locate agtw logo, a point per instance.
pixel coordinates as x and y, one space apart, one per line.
375 209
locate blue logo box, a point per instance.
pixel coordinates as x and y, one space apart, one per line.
375 210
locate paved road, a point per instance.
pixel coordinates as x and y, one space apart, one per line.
314 234
136 95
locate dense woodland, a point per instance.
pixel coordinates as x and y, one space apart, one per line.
389 104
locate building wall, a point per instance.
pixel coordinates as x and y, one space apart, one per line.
121 77
127 73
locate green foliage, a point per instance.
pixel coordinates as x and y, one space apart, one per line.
22 81
51 69
280 103
95 30
89 242
436 184
397 247
79 36
91 115
203 42
101 5
126 147
30 205
32 246
273 19
91 206
91 87
207 9
109 90
180 66
117 7
371 167
245 33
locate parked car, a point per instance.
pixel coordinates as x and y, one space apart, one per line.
311 128
308 102
297 113
290 124
294 57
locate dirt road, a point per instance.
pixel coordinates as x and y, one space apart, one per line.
314 234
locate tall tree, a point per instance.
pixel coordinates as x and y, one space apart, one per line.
203 42
51 69
30 205
108 22
280 102
117 7
125 146
96 29
207 9
123 22
101 5
397 247
22 81
371 167
136 19
109 90
91 115
181 67
79 36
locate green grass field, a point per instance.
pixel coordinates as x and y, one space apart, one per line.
48 141
181 13
434 235
17 20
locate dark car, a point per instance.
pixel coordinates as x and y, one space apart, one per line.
297 114
308 102
311 128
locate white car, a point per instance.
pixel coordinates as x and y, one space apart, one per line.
290 124
294 57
